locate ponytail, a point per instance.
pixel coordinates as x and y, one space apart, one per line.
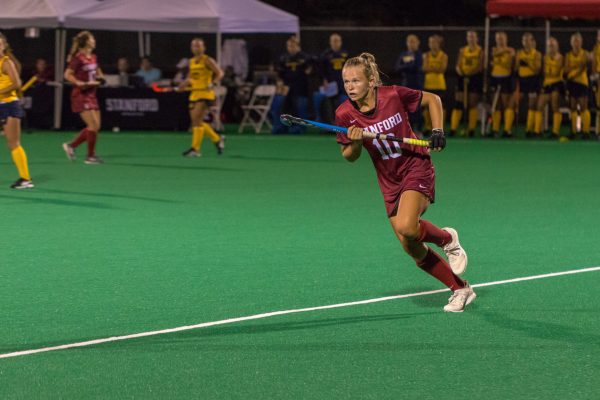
367 61
79 42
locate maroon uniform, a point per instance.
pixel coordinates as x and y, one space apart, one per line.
399 166
84 68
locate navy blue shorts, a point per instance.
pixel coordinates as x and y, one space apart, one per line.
12 109
577 90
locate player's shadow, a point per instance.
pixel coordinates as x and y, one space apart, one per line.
110 195
217 331
542 329
59 202
286 159
177 167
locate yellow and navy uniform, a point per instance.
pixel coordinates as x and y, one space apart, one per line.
597 71
5 82
502 70
10 107
529 75
201 77
576 70
553 73
435 81
470 66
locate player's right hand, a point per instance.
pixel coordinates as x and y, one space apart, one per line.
355 133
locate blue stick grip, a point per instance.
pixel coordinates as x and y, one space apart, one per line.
327 126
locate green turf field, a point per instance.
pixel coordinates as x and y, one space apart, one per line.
152 240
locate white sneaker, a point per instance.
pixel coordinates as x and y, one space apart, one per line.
69 151
460 299
457 257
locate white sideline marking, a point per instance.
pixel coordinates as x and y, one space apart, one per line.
283 312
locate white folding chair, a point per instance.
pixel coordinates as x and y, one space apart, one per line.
256 113
215 110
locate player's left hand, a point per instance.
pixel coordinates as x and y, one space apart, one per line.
437 140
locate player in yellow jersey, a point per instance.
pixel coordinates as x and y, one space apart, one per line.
576 65
203 76
469 67
528 65
435 63
11 112
553 88
596 70
501 82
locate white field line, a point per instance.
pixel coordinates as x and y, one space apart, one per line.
283 312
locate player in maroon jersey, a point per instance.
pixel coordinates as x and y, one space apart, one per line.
85 75
405 173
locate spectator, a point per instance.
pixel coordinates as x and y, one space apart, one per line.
294 67
232 110
330 65
42 71
410 68
147 72
123 71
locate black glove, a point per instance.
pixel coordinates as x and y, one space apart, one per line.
437 139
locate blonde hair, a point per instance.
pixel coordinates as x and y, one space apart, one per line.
8 52
367 61
79 42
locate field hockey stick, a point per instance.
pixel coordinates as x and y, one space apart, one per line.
164 89
493 109
289 120
28 84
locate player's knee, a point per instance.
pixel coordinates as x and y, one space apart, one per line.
407 230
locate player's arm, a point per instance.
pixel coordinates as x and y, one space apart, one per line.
434 104
217 71
537 63
351 152
69 76
480 64
426 67
444 64
9 69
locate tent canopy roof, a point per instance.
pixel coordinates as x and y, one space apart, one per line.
589 9
203 16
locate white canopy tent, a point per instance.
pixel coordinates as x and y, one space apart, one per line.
202 16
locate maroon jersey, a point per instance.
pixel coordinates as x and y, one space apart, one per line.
84 69
399 166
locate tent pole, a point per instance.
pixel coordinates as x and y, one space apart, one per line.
547 108
147 44
547 33
141 44
219 46
60 43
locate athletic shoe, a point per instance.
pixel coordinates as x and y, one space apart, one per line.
460 299
70 151
220 144
507 135
471 134
191 153
457 257
22 184
94 160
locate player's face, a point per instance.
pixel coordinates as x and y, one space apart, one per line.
335 42
356 83
197 47
598 36
292 47
471 38
576 42
2 46
433 44
552 46
412 43
500 40
91 42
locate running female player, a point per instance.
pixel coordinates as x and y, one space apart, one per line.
529 66
435 63
469 67
204 74
85 75
503 58
576 63
405 173
11 112
553 88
